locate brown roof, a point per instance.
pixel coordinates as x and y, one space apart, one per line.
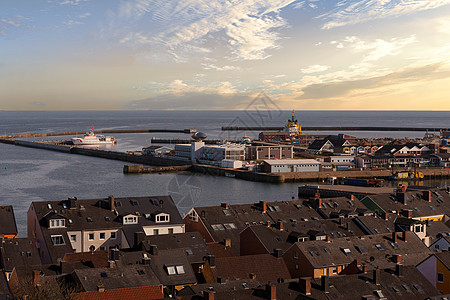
265 266
135 293
19 252
219 250
376 251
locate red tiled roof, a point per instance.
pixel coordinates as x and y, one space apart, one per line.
135 293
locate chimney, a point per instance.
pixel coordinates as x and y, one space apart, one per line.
100 288
154 249
318 202
408 213
224 205
397 258
271 290
280 225
208 295
347 225
404 188
401 197
227 242
325 285
405 238
146 260
252 276
385 216
376 276
427 195
278 252
268 223
36 277
394 237
399 269
352 197
72 202
328 239
357 262
263 205
111 203
305 285
114 254
364 269
212 260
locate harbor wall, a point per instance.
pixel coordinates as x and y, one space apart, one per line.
139 169
240 174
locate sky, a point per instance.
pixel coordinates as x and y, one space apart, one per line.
224 54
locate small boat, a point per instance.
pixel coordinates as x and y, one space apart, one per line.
231 175
90 138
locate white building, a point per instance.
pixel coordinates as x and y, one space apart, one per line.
290 165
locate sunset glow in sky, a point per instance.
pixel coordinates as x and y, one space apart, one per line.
220 54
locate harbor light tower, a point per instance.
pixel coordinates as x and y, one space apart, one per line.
292 126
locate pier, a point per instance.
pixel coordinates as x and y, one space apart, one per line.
333 128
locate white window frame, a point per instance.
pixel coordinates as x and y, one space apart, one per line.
53 237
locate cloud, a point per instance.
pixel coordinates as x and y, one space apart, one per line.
38 103
217 68
190 101
368 10
340 88
375 49
72 2
315 69
247 26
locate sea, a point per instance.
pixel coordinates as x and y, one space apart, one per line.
28 174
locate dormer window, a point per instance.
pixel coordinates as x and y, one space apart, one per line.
130 219
159 218
57 223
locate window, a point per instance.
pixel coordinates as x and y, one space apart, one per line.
229 226
347 251
113 235
226 212
73 238
102 235
295 255
174 270
130 220
57 240
162 218
170 230
380 247
440 277
335 269
91 236
57 223
155 231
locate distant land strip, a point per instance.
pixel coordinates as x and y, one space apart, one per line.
336 128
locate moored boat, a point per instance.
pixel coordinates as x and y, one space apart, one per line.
90 138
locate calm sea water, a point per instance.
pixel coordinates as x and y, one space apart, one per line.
28 175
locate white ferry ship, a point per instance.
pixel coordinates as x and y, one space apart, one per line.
90 138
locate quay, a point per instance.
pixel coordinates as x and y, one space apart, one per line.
122 131
333 128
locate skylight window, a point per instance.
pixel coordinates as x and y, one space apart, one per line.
217 227
180 269
171 270
277 208
347 251
380 247
393 245
361 249
49 206
229 226
226 212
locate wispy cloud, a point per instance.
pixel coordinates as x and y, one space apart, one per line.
378 48
366 10
315 69
72 2
248 25
218 68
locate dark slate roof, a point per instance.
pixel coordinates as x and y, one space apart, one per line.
265 266
411 285
135 293
376 224
19 252
435 229
219 249
114 278
444 257
191 242
322 254
243 215
414 201
159 263
225 287
7 220
317 144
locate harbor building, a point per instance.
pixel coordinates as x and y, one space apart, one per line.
269 152
290 165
